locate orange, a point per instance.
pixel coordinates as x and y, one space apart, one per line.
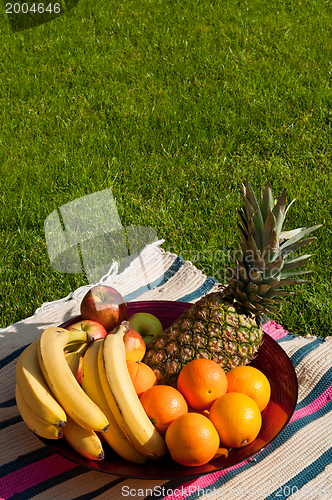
202 381
192 440
163 404
142 376
237 419
250 381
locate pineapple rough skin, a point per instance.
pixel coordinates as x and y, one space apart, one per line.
211 328
225 326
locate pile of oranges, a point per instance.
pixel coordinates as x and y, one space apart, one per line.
208 412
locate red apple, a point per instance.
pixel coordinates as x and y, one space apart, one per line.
79 371
134 345
95 329
105 305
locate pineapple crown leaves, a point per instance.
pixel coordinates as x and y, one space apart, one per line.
264 265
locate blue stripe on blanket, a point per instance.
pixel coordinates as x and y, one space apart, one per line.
298 484
99 491
321 386
13 355
49 483
171 271
286 338
202 290
283 437
24 460
8 403
10 421
304 350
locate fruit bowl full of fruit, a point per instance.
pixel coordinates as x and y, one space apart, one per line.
162 389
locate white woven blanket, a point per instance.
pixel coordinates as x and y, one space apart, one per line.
298 464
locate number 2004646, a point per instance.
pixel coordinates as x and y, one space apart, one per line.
35 8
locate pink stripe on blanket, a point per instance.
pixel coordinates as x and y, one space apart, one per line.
33 474
196 485
275 330
316 405
22 479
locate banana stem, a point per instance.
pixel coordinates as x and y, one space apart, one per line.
124 325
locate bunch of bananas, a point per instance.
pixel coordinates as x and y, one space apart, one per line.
104 407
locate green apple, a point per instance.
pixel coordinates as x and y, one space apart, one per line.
147 325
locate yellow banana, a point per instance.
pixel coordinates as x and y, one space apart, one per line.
62 382
122 398
73 345
73 358
39 427
84 441
92 386
32 384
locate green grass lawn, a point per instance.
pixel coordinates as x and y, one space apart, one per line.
168 104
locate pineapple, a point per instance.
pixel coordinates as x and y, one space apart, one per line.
226 325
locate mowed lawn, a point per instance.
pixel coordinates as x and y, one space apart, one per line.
168 104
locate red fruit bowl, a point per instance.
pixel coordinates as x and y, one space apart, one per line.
271 360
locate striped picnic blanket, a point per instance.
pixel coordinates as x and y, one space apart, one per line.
297 464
